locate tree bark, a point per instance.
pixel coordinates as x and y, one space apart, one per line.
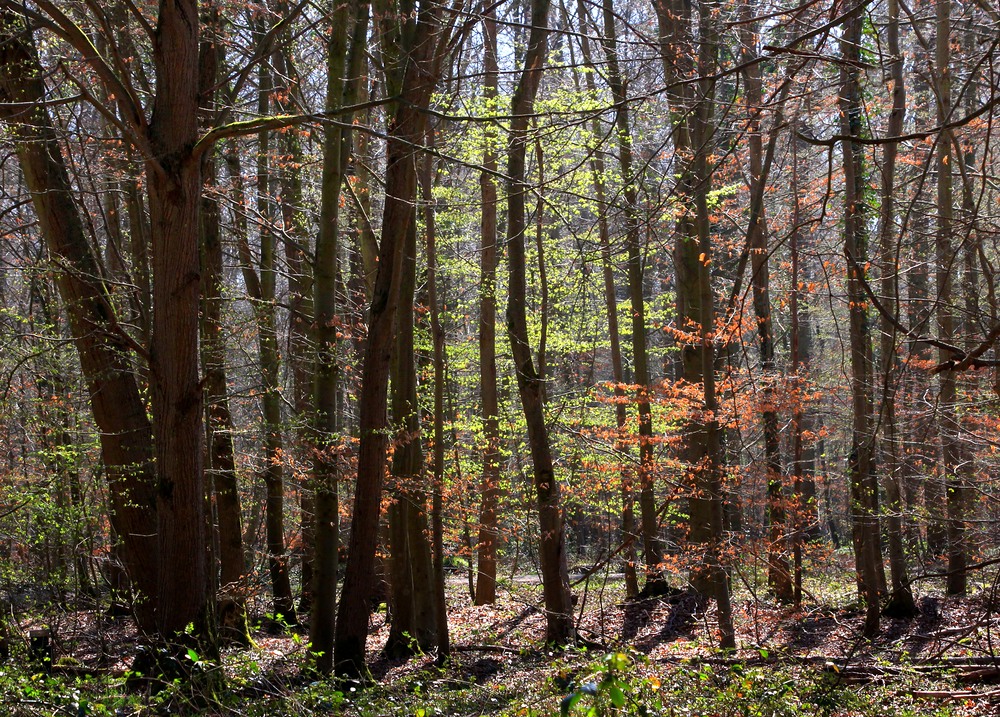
652 545
951 450
345 57
440 386
413 625
424 38
486 588
778 573
901 602
265 311
861 473
597 168
552 551
105 351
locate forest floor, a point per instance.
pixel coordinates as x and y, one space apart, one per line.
655 656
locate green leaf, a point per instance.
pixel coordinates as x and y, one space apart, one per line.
617 696
192 655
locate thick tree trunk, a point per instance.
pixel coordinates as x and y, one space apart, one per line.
692 110
552 551
413 625
105 351
174 188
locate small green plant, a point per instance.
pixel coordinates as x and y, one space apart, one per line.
619 691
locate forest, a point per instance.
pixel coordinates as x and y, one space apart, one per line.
499 357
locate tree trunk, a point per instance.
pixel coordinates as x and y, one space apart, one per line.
901 600
486 588
597 167
652 545
951 450
552 551
440 386
344 65
413 625
424 38
295 240
174 187
104 349
221 466
861 472
265 311
778 574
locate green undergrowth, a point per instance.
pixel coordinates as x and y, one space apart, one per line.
575 683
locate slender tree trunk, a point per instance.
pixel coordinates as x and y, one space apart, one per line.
901 600
951 450
267 334
440 385
221 466
344 65
552 551
295 240
652 545
806 517
710 478
861 472
486 590
597 168
778 575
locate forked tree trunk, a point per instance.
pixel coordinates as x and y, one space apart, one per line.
413 625
692 109
424 38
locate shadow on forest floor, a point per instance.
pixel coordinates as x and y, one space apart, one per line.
676 620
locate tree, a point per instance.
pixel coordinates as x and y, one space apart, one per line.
345 58
423 37
106 353
861 469
552 551
486 589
